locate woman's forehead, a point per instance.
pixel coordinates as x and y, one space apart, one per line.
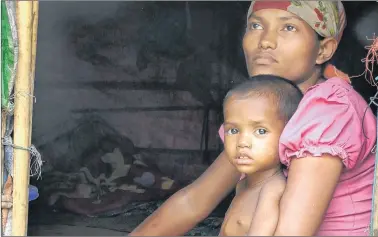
274 14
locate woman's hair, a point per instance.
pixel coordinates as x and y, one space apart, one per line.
283 93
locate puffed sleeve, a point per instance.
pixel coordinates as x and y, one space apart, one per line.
326 122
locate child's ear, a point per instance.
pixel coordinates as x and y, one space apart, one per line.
327 48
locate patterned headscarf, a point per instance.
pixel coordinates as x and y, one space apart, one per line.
327 18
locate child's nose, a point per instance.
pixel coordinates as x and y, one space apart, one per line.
244 143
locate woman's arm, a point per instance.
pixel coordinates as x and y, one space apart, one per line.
183 210
309 190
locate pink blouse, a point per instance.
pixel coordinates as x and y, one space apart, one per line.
333 118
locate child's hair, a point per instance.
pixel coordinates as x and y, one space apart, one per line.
284 93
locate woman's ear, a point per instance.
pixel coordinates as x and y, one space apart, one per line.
327 48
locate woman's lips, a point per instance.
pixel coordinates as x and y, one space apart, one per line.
264 59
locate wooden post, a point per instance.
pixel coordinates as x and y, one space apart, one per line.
22 119
374 214
33 56
2 164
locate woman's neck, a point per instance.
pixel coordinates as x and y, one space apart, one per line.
312 81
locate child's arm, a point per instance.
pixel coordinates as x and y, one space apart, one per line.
265 219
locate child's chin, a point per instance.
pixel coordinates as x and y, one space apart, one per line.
245 169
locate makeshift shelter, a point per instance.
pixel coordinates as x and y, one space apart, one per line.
126 106
19 26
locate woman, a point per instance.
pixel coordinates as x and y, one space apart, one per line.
327 145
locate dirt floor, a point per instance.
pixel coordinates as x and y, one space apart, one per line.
44 222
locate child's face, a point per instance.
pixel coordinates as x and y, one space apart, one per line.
252 130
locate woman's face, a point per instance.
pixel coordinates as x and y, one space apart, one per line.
280 43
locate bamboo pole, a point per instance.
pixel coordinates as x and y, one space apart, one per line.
374 212
374 216
33 57
2 165
22 119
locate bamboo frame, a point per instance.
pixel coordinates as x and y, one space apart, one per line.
374 214
144 109
2 165
130 85
25 14
34 54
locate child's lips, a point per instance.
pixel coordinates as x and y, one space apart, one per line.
243 159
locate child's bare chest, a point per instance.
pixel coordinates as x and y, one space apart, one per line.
239 215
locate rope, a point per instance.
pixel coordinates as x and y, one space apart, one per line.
36 163
9 110
373 100
370 61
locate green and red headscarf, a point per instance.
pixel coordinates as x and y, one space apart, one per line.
327 18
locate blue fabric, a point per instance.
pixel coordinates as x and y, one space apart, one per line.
33 193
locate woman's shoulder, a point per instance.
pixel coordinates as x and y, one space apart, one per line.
331 118
333 87
336 90
337 100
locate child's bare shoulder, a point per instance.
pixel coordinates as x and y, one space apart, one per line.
275 186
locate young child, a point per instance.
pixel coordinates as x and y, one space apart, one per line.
255 113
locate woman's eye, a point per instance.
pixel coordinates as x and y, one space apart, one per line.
255 26
290 28
233 131
261 131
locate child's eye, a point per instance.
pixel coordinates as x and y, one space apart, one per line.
261 131
232 131
290 28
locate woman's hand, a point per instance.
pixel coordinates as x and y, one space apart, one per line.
187 207
309 190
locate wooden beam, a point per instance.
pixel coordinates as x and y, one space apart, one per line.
128 85
173 151
22 117
34 54
374 214
3 119
143 109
